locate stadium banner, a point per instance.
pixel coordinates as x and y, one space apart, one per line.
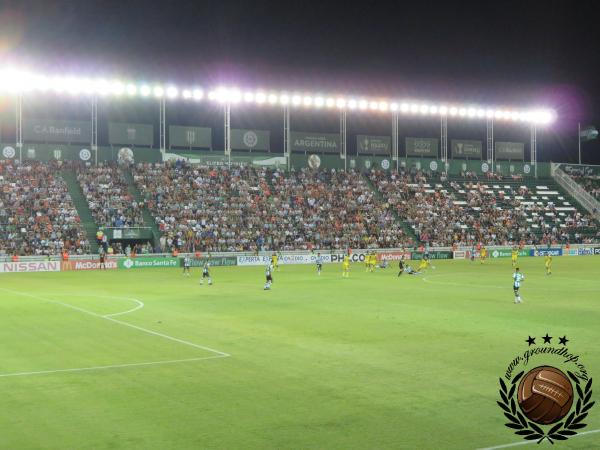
87 264
65 131
147 262
432 255
315 142
509 150
128 233
354 257
30 266
580 169
466 149
416 146
596 250
190 137
546 251
250 140
393 256
506 253
214 261
374 145
130 134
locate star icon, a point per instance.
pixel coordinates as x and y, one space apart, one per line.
547 339
563 340
530 340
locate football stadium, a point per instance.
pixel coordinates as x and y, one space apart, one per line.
224 266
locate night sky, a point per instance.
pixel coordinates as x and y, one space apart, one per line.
500 53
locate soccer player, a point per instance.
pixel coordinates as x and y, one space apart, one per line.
482 254
372 262
206 273
346 267
102 259
548 264
268 277
518 278
319 263
514 255
186 265
367 262
400 267
425 263
275 261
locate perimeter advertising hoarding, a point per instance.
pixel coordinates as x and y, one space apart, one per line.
65 131
416 146
214 261
190 137
87 264
546 251
374 145
131 134
509 150
432 255
262 260
466 149
147 262
315 142
30 266
250 140
506 253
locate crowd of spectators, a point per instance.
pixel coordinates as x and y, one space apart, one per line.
106 191
591 183
37 216
441 216
245 208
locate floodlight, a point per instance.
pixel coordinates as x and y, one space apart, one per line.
383 106
462 112
172 92
131 89
158 91
145 90
352 104
330 102
363 104
404 107
307 100
260 97
235 95
498 114
489 113
443 110
296 100
340 103
433 110
319 102
284 99
471 112
186 93
414 108
453 111
394 106
197 94
373 106
480 113
249 97
424 109
272 99
117 88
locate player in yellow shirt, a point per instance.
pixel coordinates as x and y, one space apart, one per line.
367 262
514 255
372 262
346 267
275 261
482 255
548 264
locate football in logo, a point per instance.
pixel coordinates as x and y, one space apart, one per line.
314 162
8 152
545 395
85 154
250 139
433 165
385 164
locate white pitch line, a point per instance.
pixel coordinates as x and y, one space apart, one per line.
139 306
130 299
145 330
113 366
516 444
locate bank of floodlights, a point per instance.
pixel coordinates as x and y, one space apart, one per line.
21 82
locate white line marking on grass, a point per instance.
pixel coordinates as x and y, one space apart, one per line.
113 366
140 304
145 330
516 444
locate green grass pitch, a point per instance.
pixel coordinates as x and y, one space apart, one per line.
369 362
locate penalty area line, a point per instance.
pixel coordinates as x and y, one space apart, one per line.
112 366
120 322
517 444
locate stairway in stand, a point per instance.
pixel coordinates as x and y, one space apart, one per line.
83 209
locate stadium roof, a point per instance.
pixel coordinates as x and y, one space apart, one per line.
13 81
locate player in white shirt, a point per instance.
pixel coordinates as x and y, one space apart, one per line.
186 265
319 263
518 278
268 276
206 273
